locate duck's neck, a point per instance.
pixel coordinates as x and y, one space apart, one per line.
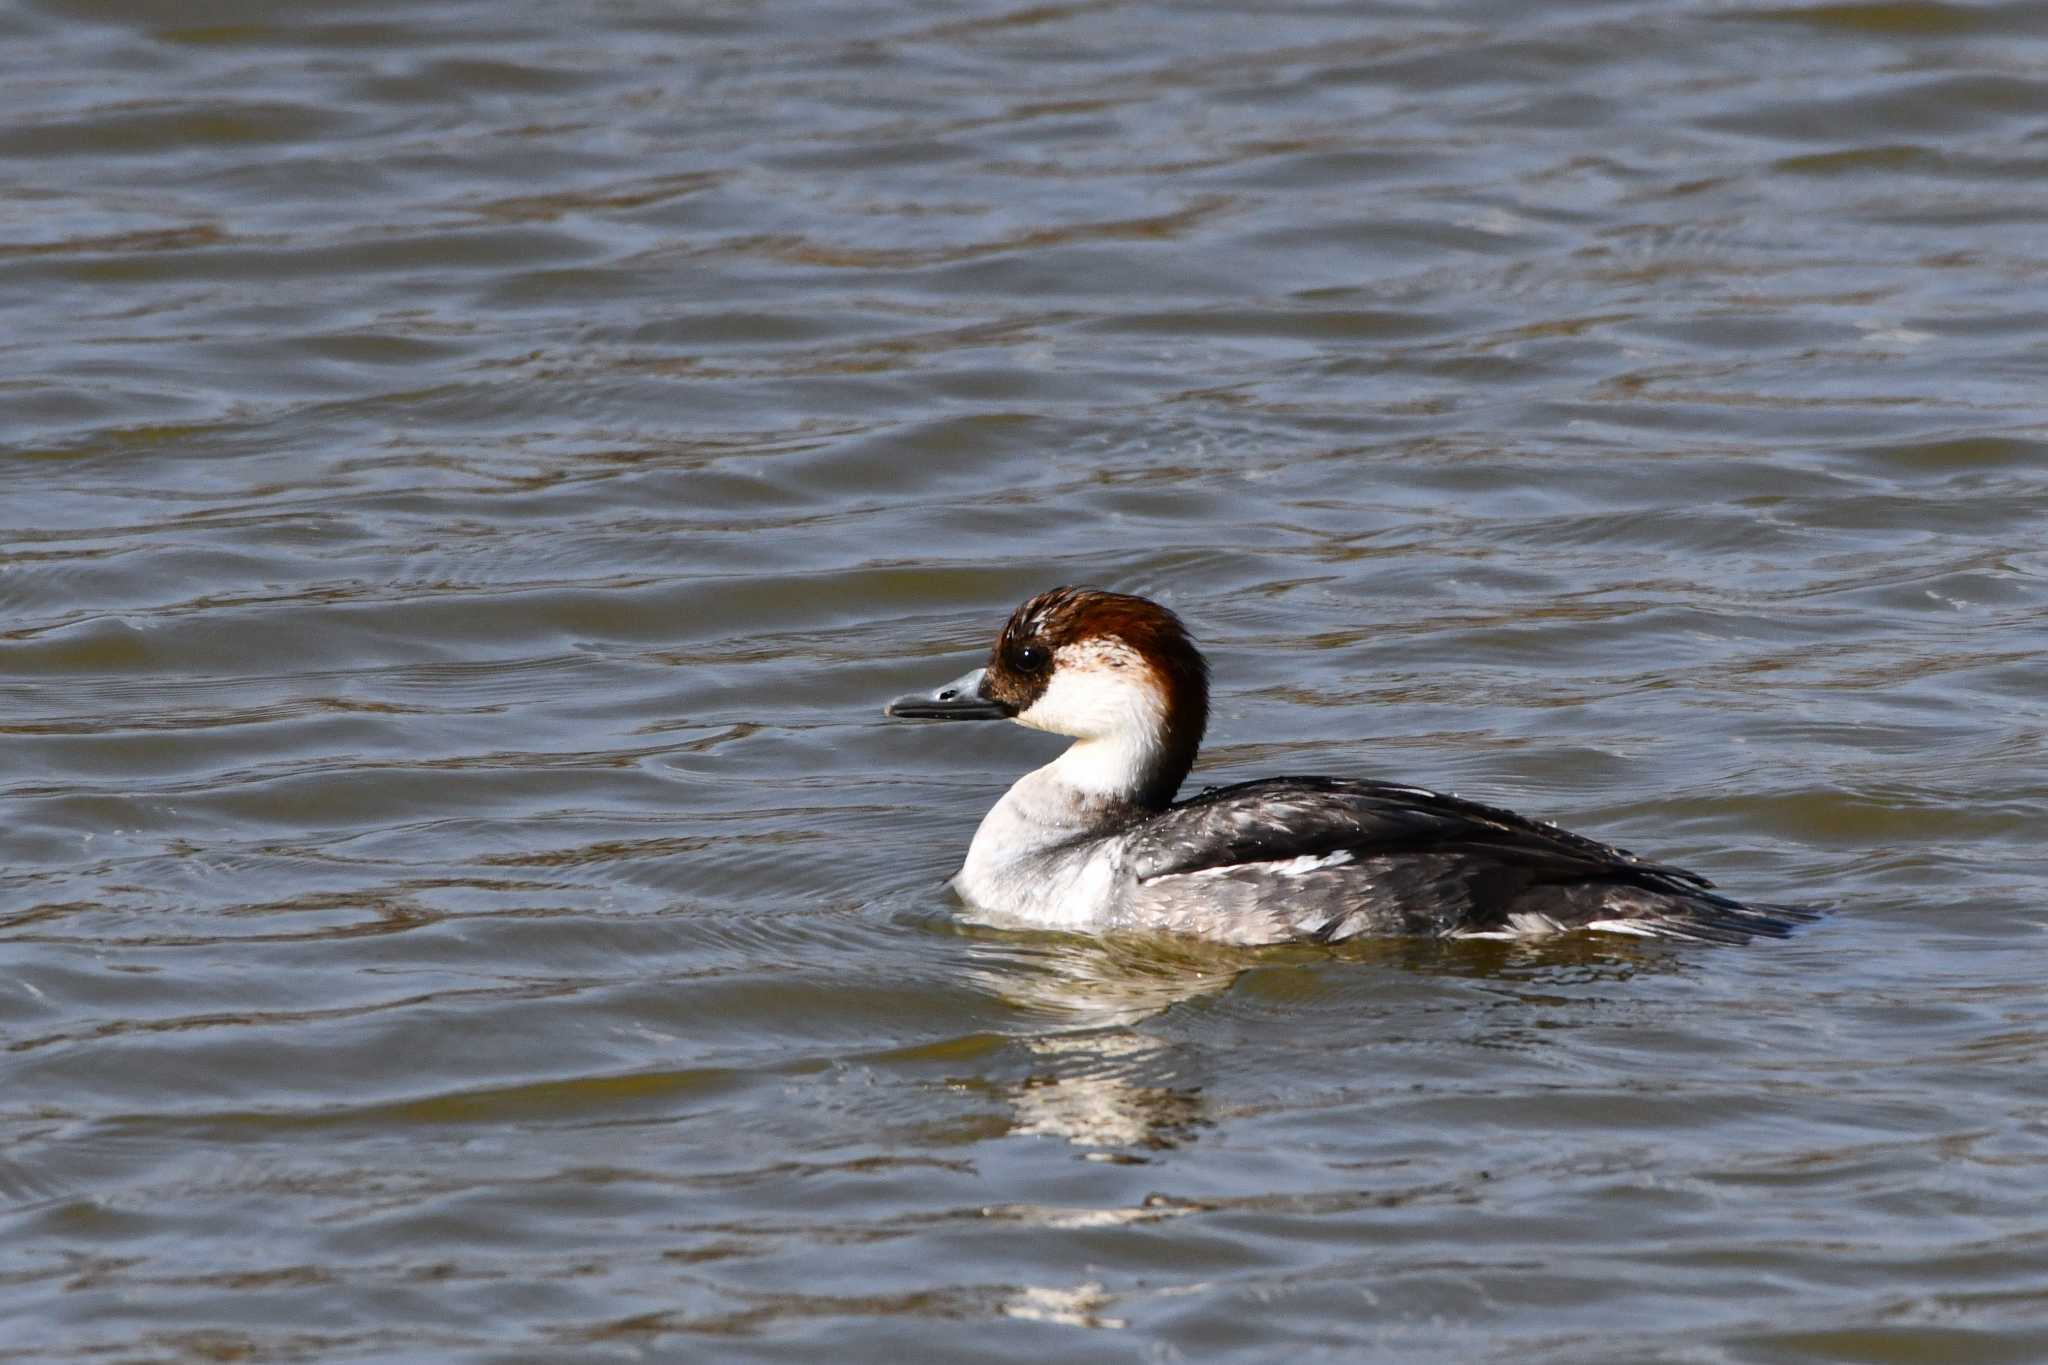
1139 772
1040 850
1096 787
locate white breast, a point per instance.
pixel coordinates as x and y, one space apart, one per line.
1031 862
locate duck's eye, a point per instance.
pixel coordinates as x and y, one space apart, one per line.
1030 658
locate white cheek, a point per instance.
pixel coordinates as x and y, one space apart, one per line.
1097 703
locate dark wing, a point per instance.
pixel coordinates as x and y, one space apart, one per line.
1373 857
1279 818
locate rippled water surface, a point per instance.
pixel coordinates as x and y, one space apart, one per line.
473 471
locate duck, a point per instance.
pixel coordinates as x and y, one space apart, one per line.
1096 841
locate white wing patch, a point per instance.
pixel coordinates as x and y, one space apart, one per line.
1542 926
1285 867
1634 927
1307 863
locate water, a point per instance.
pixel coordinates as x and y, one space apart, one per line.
473 473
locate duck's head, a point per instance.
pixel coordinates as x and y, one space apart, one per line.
1107 668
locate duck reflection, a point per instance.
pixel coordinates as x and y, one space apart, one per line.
1099 983
1106 1072
1096 1079
1089 1093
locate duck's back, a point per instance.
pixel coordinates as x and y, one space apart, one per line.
1325 859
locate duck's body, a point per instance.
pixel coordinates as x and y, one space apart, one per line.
1093 841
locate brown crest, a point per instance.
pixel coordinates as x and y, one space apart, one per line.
1021 664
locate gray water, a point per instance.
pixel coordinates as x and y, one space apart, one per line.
473 471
